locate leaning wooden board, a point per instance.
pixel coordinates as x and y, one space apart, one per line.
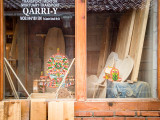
125 34
138 36
54 40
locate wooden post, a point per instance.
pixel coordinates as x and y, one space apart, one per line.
80 49
158 85
1 49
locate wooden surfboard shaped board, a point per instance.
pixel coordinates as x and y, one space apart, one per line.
54 40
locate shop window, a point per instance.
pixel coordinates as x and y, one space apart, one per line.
122 50
39 49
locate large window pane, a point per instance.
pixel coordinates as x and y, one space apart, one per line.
122 50
40 47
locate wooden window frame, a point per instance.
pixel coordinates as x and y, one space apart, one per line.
82 103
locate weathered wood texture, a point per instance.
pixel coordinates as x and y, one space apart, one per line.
158 85
38 110
1 110
25 109
1 49
80 49
12 111
125 34
104 52
138 38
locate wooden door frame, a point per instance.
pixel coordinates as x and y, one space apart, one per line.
1 49
82 103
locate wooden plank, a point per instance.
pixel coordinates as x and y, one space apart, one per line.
55 111
68 110
158 85
80 49
61 110
104 52
12 110
1 49
38 110
25 110
117 105
1 110
125 34
138 38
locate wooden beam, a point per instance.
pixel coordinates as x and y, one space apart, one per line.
158 85
1 49
80 49
138 36
125 34
38 110
104 52
118 105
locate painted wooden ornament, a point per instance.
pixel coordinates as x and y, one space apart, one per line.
57 67
112 74
115 74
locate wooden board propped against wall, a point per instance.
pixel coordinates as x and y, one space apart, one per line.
125 34
138 37
61 110
104 52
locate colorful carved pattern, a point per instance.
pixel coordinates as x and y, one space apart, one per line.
57 66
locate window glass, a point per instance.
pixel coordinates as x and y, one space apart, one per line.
122 49
39 49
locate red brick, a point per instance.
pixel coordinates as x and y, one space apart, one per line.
114 118
93 118
107 113
125 113
154 118
77 118
150 113
138 113
86 114
135 118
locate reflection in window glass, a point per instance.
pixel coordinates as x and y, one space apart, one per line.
122 51
40 47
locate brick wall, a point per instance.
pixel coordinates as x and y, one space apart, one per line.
118 115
